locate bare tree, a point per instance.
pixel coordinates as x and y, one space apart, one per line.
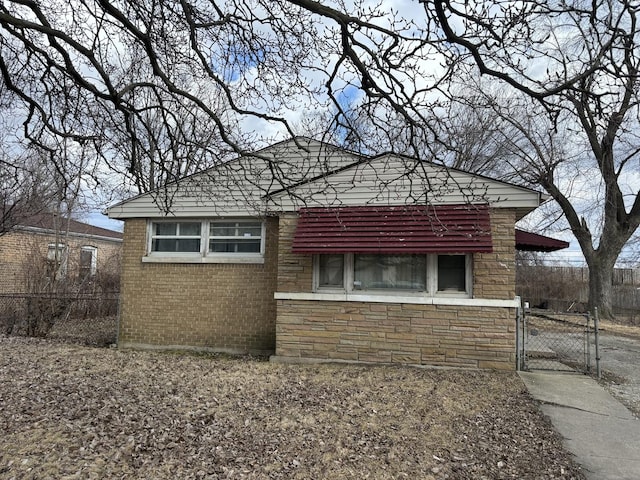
78 67
25 189
570 109
173 140
566 115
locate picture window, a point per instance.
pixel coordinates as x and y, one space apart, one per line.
370 273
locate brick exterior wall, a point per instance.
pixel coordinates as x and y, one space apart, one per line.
217 307
460 336
23 255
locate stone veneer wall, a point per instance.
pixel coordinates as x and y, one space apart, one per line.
218 307
494 274
461 336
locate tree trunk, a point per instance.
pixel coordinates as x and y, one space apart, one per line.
601 283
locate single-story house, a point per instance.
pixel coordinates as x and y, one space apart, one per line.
308 252
45 247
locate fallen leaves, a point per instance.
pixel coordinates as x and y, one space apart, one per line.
75 412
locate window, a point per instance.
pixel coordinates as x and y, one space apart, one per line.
397 272
57 261
331 271
88 261
452 273
371 273
176 237
235 237
228 240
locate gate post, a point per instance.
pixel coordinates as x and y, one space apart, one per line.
519 339
596 326
588 342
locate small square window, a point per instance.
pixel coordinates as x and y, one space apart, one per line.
331 271
55 252
452 273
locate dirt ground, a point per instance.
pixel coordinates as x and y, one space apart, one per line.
92 332
69 411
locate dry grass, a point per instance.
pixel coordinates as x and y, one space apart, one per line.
77 412
621 326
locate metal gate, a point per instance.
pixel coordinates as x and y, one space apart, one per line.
555 341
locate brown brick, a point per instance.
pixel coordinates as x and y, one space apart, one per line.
218 306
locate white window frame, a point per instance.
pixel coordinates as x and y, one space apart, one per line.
468 280
93 267
204 256
431 277
238 222
151 237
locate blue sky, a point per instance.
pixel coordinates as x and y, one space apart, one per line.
100 220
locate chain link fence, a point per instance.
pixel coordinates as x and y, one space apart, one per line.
557 341
87 319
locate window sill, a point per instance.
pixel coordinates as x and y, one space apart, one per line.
257 259
391 298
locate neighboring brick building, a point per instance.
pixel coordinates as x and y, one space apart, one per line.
336 257
44 248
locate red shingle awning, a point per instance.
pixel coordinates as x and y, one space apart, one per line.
533 242
394 230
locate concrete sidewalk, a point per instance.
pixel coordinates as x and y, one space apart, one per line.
598 430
